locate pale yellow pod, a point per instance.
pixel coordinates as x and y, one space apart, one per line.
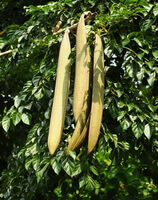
61 95
97 94
82 136
79 127
85 109
82 68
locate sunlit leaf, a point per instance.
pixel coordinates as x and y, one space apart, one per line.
147 131
137 129
16 118
6 123
68 165
56 166
26 118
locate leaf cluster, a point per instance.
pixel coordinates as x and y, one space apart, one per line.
124 163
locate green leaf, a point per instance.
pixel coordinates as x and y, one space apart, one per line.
147 131
130 70
88 182
121 114
146 24
125 123
28 162
47 113
145 50
36 80
132 34
151 78
114 139
150 63
17 101
155 11
155 53
78 169
140 74
39 94
133 117
26 118
29 29
91 183
35 89
141 117
120 104
125 42
138 41
28 106
72 154
56 166
108 51
82 181
6 123
140 55
35 160
113 110
2 43
68 165
31 150
152 107
125 145
16 118
119 93
130 106
94 170
41 172
137 129
20 109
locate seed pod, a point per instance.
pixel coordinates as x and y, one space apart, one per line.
82 71
61 95
81 122
82 136
97 94
78 129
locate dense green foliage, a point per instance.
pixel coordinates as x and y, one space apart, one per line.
124 165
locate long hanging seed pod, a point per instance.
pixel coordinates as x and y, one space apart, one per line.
97 94
81 101
82 124
61 95
82 70
80 132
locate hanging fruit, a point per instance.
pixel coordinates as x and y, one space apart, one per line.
97 94
61 94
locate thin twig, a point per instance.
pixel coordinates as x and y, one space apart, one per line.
56 31
74 26
5 52
57 27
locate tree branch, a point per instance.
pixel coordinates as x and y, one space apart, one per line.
74 26
89 15
57 26
5 52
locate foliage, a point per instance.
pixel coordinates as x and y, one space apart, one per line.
124 163
12 11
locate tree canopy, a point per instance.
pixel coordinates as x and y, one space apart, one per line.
124 164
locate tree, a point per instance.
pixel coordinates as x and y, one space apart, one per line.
124 162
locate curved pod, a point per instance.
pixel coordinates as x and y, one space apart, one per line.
82 124
61 95
82 136
97 94
78 129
